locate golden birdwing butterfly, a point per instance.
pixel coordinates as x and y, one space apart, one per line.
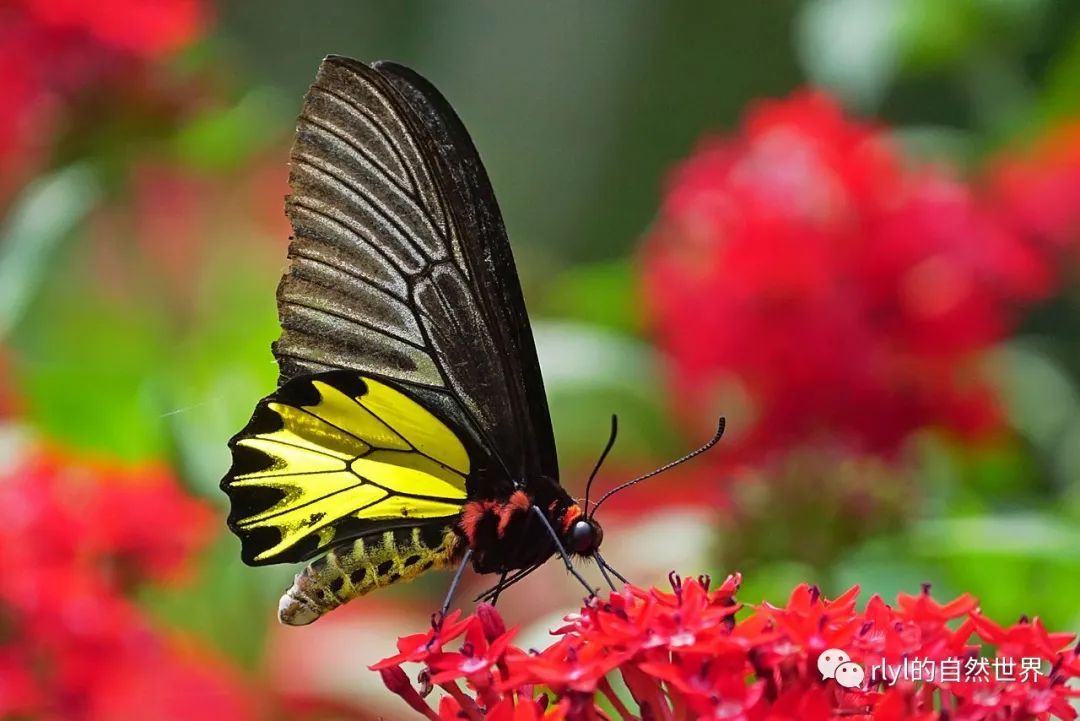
410 429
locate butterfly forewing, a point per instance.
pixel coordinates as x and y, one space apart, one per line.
400 266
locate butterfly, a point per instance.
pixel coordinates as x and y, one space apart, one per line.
410 429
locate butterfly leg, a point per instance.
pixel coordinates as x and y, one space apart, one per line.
562 551
605 565
499 588
604 573
437 621
506 583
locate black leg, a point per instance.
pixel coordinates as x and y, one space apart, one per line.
604 573
505 583
454 584
498 588
562 551
604 564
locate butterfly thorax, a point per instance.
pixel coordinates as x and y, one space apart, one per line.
507 534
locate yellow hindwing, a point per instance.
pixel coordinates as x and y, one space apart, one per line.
330 457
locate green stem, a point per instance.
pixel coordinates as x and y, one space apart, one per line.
609 692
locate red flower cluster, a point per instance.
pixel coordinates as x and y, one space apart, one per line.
75 537
53 51
1038 190
683 655
148 30
174 221
803 272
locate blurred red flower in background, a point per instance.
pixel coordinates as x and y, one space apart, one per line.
803 272
54 52
166 229
1038 190
683 655
148 30
77 536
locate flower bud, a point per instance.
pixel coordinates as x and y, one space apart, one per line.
490 621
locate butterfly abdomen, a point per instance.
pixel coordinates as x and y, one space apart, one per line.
366 564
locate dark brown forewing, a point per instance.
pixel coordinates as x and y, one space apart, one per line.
400 266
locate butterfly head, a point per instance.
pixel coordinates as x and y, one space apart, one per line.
584 536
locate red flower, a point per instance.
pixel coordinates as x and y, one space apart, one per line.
524 709
122 524
56 52
420 645
801 277
922 607
1025 638
474 661
681 655
147 29
170 226
1038 191
76 536
20 695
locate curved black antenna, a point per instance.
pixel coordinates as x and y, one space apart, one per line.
715 439
600 460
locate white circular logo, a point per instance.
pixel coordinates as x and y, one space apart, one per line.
850 675
829 660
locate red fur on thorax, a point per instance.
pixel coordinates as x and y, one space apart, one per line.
518 502
475 511
471 515
572 513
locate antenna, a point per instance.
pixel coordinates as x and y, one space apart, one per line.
715 439
600 461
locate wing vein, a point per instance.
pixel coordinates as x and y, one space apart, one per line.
348 433
353 275
304 360
356 145
363 112
263 474
333 175
291 508
407 441
357 322
261 520
417 496
297 201
387 176
310 449
392 144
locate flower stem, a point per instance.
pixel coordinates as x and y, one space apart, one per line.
488 694
609 692
662 706
467 704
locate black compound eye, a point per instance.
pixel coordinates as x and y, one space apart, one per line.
585 537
